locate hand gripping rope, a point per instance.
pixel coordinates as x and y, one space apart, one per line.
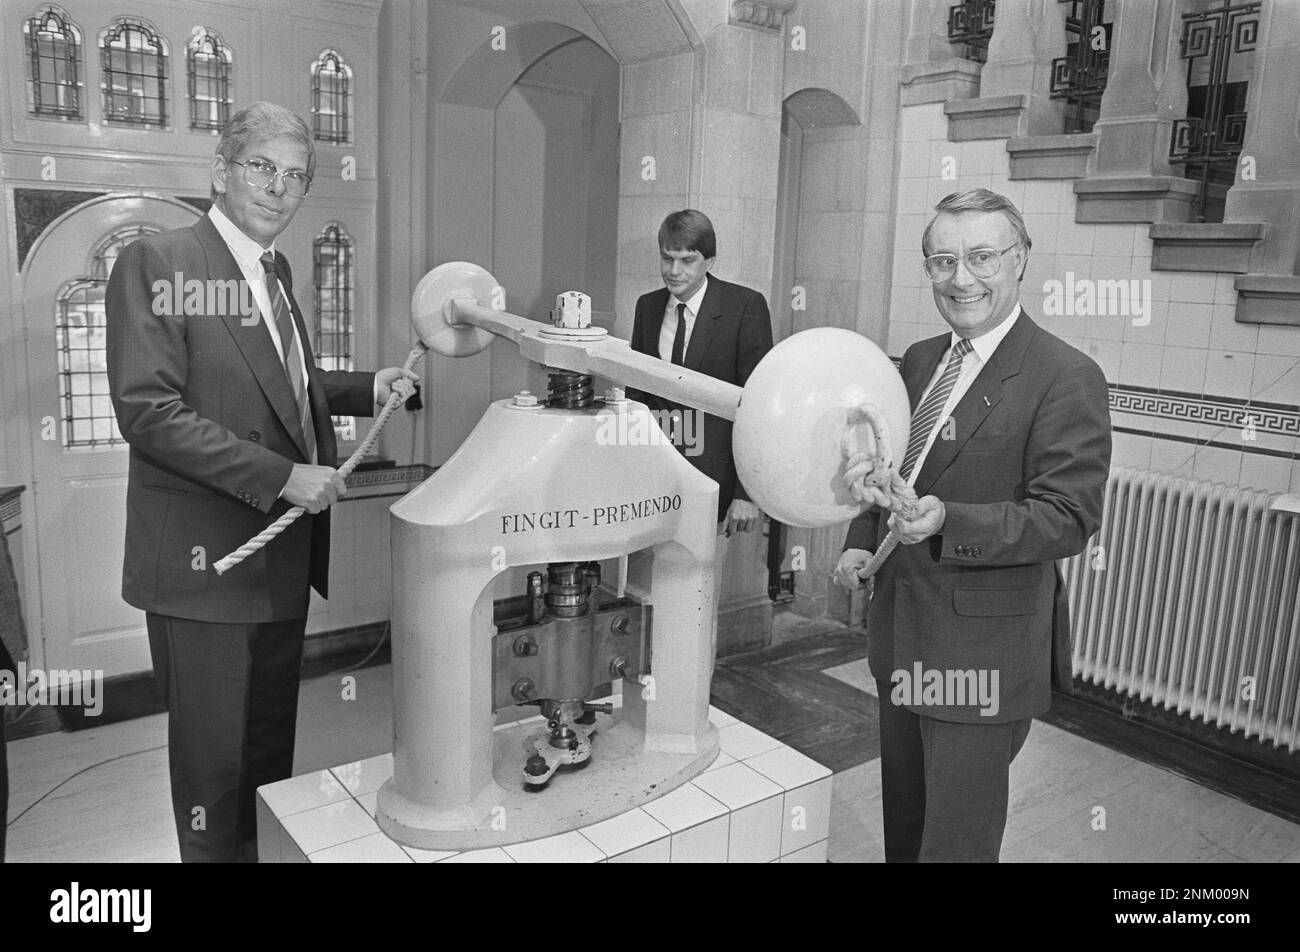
274 529
872 477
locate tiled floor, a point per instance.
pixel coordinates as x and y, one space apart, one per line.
102 794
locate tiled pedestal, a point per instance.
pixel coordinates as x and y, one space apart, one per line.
759 802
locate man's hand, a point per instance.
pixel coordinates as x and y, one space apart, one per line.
846 573
392 380
926 520
315 488
742 516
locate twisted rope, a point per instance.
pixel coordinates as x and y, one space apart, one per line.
274 529
872 478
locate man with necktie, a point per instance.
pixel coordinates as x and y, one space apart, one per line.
968 627
703 323
228 421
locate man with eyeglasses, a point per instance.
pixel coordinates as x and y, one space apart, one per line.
968 627
228 420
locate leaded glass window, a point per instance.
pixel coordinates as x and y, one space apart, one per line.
133 61
207 62
331 98
53 45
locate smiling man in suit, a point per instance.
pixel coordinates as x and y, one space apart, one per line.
1009 454
228 420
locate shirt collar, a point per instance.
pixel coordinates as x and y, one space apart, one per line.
248 253
695 300
986 344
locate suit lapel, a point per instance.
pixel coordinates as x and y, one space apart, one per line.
706 324
654 323
253 340
977 402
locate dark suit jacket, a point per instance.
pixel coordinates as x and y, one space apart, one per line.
1023 481
213 427
732 332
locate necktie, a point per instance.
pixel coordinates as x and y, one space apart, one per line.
292 365
679 338
927 414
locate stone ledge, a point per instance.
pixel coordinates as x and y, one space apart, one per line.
1135 199
988 117
1268 299
1204 246
1051 157
940 81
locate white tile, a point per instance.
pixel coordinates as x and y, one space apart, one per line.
719 718
787 767
365 776
376 848
659 851
705 843
269 833
684 807
742 741
736 786
722 760
369 802
307 792
493 855
329 825
805 816
816 853
429 856
571 847
625 832
755 833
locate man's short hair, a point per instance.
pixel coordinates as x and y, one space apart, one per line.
260 122
688 230
978 200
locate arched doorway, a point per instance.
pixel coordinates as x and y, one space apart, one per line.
79 462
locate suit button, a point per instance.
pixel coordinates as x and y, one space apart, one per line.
963 550
253 501
254 435
975 551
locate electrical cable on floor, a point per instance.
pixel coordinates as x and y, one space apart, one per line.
364 661
75 776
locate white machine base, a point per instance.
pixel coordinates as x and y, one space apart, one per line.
760 801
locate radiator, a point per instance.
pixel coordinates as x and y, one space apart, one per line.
1187 598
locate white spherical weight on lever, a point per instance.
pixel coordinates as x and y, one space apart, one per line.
793 417
430 315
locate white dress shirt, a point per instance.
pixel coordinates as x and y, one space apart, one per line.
669 329
248 255
971 365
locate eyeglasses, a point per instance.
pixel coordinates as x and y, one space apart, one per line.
261 174
982 262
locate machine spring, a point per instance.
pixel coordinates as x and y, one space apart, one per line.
570 391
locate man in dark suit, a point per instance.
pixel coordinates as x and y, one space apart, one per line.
1009 454
228 420
718 328
6 664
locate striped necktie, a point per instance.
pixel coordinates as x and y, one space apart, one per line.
292 365
927 414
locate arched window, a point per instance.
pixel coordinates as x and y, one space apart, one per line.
133 60
207 61
53 64
333 273
87 409
331 102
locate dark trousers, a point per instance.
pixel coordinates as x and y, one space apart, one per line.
232 701
944 785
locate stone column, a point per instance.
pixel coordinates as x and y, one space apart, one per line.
1146 92
1027 36
1267 188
